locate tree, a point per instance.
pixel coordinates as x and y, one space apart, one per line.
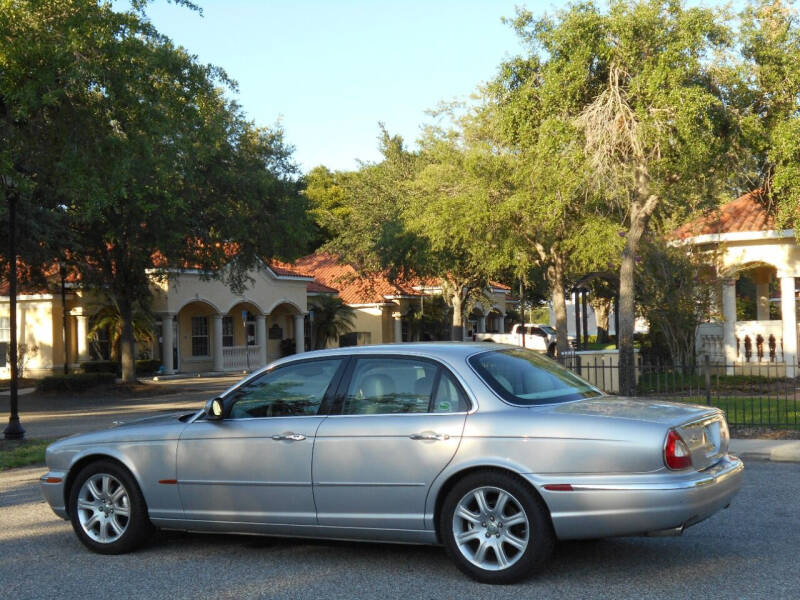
553 219
332 318
655 126
450 210
151 167
674 292
768 95
107 317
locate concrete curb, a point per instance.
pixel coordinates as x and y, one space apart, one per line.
774 450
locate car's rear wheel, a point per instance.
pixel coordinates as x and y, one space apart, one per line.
107 510
495 528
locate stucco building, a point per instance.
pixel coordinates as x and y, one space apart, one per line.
757 266
201 325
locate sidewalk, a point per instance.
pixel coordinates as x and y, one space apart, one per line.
775 450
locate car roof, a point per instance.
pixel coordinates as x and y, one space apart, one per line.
442 350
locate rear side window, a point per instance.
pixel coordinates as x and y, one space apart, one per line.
390 385
526 378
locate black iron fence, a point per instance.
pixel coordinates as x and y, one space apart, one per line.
753 395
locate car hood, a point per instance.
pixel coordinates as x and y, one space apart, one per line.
155 420
637 409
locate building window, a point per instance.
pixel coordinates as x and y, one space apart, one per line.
227 332
250 329
5 338
199 336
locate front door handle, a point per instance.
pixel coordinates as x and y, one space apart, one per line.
429 435
289 436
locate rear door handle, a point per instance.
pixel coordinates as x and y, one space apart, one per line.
288 437
429 435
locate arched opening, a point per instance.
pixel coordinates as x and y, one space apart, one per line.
288 330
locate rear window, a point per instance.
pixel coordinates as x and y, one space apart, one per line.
527 378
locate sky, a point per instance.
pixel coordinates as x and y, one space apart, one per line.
331 71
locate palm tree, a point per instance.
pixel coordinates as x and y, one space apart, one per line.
107 318
332 318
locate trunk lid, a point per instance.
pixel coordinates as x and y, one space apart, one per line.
702 428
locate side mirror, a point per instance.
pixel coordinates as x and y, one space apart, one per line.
214 410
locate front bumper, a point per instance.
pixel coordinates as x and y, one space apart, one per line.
52 484
609 506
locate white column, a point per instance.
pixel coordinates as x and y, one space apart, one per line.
216 343
261 338
482 324
167 343
82 337
398 327
789 317
728 327
299 334
762 301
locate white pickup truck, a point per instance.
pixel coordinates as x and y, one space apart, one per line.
534 336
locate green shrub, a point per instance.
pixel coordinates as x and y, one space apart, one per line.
77 382
147 366
102 366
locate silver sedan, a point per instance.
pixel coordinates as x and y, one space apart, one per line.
494 452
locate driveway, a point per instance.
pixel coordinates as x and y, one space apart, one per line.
57 415
747 551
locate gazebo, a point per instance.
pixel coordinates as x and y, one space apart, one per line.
746 245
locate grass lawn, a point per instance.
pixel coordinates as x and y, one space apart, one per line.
20 454
749 411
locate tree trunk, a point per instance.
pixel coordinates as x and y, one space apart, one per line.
640 215
602 310
127 342
555 274
457 332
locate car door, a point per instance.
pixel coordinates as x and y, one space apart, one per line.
397 424
254 465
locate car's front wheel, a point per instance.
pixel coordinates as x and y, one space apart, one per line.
495 528
107 510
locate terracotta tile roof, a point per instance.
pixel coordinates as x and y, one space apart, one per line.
328 271
746 213
26 286
500 286
315 287
283 270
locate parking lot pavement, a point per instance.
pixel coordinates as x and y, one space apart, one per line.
747 551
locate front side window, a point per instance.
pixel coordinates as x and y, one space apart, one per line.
389 385
290 391
199 336
526 378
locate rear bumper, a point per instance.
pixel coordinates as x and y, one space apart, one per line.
639 504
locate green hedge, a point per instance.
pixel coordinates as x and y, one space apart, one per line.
77 382
147 366
143 367
102 366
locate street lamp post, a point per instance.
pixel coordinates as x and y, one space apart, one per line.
14 430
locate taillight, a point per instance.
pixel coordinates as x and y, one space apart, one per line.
676 453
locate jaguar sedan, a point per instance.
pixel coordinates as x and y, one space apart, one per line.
493 452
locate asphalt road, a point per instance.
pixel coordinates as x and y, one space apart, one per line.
747 551
51 416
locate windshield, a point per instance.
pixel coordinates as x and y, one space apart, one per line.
548 330
527 378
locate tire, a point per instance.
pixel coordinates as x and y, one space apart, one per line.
107 509
552 350
499 547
